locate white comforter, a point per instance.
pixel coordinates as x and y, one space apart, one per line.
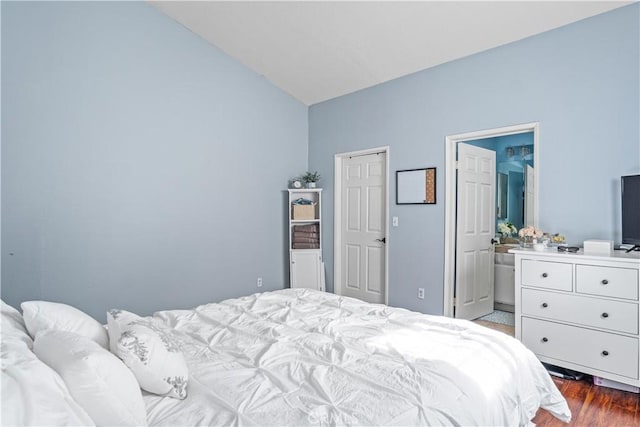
32 393
301 357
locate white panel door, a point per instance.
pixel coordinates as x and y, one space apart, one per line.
529 188
363 227
475 228
306 269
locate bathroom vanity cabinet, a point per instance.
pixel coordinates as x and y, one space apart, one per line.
504 279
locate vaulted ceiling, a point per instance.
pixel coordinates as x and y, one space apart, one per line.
318 50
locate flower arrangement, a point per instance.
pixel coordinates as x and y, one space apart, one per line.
529 235
507 229
530 231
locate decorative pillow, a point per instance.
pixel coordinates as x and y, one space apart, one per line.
114 327
41 315
96 379
150 352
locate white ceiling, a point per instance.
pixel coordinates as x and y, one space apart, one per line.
320 50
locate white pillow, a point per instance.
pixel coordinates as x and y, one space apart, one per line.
123 318
96 379
32 393
13 325
150 352
41 315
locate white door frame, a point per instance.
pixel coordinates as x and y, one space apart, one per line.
337 217
450 215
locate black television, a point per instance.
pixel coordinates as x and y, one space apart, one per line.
631 211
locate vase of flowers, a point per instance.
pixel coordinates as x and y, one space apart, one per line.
506 230
529 235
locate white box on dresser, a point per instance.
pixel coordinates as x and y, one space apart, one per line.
580 311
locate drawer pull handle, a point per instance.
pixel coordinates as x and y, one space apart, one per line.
605 353
545 275
605 315
545 339
604 281
545 305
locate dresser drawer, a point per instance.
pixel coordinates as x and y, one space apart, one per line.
545 274
606 314
603 351
607 281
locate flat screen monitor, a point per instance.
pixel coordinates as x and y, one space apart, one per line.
631 210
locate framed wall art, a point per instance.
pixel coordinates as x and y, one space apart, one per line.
416 186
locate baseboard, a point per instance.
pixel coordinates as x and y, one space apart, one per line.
504 307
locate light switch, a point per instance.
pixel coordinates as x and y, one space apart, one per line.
395 221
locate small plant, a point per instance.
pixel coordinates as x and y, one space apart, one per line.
310 177
507 229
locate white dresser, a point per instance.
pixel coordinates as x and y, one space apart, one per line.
580 311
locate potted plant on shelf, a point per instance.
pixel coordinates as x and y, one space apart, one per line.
310 178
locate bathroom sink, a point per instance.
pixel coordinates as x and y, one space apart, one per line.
504 248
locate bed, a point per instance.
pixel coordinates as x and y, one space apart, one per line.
303 357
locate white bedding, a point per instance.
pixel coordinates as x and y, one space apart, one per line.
32 393
300 357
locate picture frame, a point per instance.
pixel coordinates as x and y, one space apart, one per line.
416 186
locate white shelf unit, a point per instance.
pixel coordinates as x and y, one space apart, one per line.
305 241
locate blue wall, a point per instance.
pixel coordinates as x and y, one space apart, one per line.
141 167
580 82
144 169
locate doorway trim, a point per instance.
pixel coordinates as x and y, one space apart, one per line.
450 215
337 217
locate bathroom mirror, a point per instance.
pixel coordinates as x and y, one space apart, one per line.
515 171
503 186
416 186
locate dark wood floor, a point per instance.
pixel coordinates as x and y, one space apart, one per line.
593 405
590 405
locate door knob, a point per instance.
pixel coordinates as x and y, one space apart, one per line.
495 241
383 240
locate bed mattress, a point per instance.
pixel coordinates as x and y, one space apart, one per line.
303 357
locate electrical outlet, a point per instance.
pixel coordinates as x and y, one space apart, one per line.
420 293
259 282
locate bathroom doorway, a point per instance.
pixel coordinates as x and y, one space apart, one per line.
516 153
514 169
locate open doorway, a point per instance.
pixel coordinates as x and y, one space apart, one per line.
514 171
469 274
